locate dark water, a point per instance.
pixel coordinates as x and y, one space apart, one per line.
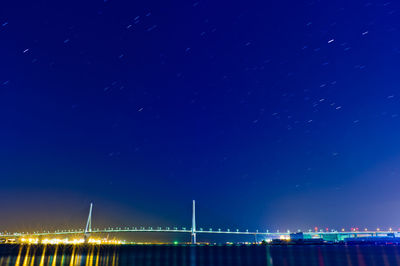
200 255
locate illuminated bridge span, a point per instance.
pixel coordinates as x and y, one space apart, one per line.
329 235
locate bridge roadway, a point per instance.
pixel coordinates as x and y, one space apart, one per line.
333 234
189 231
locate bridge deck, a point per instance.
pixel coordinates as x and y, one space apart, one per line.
188 231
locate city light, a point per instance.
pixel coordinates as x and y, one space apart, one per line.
66 241
30 240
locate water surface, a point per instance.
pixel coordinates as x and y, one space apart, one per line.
146 255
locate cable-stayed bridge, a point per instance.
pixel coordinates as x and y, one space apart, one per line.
193 231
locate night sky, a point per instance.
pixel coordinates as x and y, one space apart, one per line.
271 114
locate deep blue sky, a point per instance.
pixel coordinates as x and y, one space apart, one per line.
271 114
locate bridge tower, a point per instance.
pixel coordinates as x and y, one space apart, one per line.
88 228
194 223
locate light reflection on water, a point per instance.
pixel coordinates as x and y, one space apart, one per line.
52 255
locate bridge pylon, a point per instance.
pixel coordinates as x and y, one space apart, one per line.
88 228
193 234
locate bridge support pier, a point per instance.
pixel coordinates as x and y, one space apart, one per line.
88 228
193 234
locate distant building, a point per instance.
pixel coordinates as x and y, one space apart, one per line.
297 236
